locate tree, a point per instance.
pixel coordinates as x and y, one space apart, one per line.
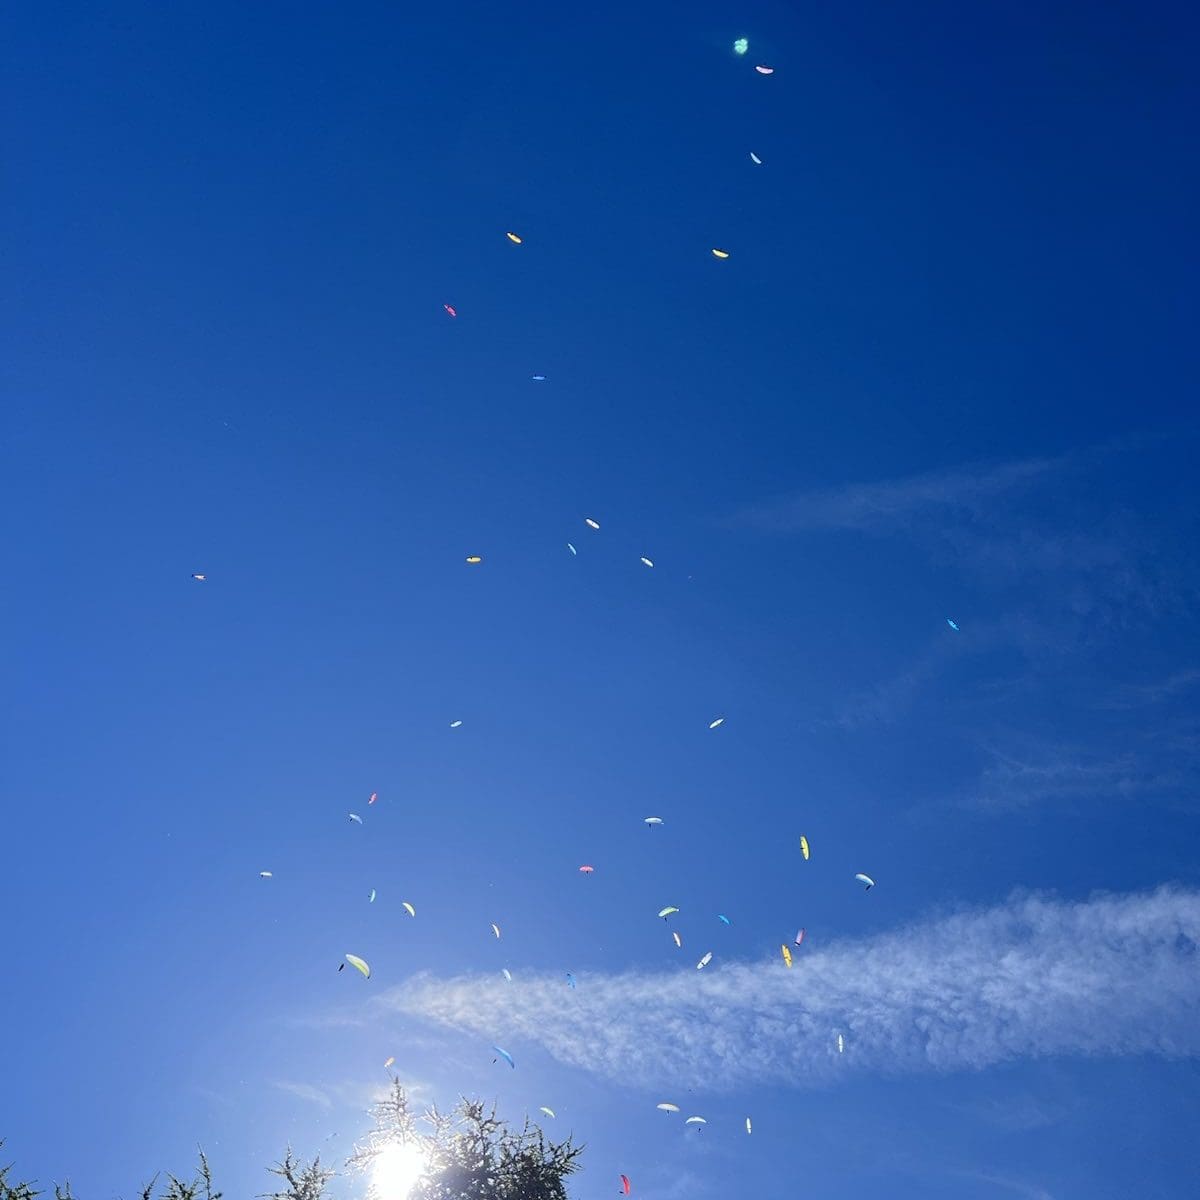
468 1153
14 1191
303 1181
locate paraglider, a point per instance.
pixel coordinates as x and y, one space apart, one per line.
408 908
787 955
359 964
371 897
666 912
474 559
496 930
755 159
593 524
586 870
450 310
678 940
952 625
548 1111
572 548
356 818
720 253
749 1127
538 378
841 1044
570 981
704 961
512 237
718 721
867 882
507 974
266 875
373 797
804 847
724 918
765 70
667 1107
389 1062
647 561
625 1184
654 820
799 937
695 1121
455 724
504 1054
199 578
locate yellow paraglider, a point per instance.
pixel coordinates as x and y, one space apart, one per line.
359 964
412 912
804 847
787 955
512 237
720 253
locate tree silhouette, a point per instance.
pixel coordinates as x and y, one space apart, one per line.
466 1154
469 1153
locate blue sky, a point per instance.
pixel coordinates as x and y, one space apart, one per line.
947 371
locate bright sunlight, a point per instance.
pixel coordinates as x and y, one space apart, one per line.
396 1170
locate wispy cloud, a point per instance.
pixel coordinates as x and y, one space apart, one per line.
1059 774
304 1091
1033 977
891 502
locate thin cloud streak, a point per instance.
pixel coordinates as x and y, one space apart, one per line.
891 502
306 1092
1031 978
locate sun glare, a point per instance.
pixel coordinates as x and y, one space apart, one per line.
396 1170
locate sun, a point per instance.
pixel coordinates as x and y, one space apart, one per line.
396 1170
